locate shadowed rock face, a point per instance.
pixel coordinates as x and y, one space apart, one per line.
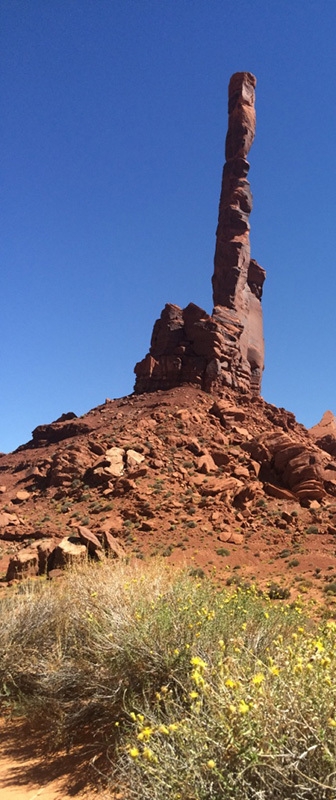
224 349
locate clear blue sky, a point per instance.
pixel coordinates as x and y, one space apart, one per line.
114 115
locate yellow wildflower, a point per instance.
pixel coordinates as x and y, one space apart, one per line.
198 662
274 670
332 722
134 752
148 754
197 678
193 695
258 678
145 734
163 729
211 763
243 707
230 683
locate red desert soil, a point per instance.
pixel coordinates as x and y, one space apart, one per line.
27 772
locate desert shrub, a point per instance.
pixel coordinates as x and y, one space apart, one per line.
204 693
277 592
222 551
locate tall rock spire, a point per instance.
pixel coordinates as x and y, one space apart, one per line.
237 280
232 255
224 349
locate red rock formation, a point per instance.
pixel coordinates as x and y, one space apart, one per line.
225 349
324 433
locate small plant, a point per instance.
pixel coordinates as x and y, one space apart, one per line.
222 551
65 507
330 588
197 572
285 553
277 592
294 562
312 529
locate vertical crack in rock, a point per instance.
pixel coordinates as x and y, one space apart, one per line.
225 349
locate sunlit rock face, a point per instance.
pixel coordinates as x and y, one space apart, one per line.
225 348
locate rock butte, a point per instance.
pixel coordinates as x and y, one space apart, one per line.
224 459
225 349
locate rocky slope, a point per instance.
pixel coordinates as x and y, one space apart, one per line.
227 483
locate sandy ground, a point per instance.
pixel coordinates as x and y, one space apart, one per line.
26 772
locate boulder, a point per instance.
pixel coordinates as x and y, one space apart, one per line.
90 540
21 496
113 546
69 464
297 466
44 551
115 461
206 464
57 431
67 553
134 459
219 485
23 565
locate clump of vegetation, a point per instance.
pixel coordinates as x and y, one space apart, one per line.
330 588
285 553
277 592
199 692
294 562
222 551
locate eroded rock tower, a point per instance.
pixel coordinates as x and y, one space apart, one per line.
227 348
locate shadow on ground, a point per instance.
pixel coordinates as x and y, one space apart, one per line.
28 762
